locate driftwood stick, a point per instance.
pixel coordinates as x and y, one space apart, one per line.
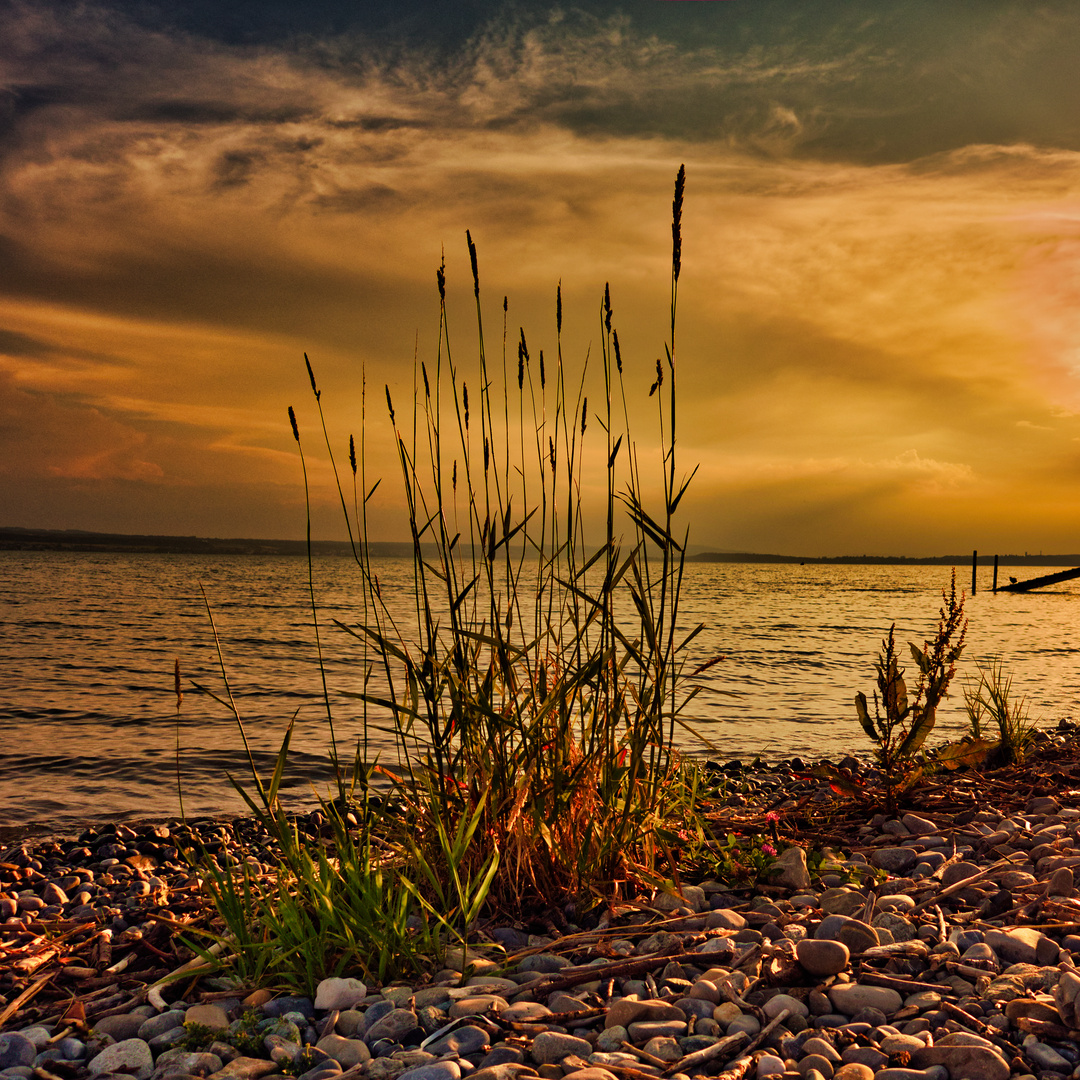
963 883
616 969
737 1070
904 986
23 998
624 1072
699 1057
767 1030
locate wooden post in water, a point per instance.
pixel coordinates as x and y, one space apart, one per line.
995 573
974 571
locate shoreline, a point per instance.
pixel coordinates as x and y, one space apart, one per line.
899 896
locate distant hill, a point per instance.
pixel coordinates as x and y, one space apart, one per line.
887 560
81 540
16 539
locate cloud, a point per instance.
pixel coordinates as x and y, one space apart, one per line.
877 305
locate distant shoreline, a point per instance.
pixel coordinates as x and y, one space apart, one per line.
78 540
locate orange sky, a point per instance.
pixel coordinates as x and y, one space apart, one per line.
880 301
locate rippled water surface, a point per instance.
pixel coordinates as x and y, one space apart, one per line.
88 718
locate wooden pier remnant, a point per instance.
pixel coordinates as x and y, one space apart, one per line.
974 570
1039 582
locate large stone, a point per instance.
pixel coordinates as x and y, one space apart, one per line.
1061 882
964 1061
901 928
769 1065
1023 945
121 1027
293 1003
322 1070
1046 1057
626 1012
958 871
854 933
841 902
463 1041
245 1068
821 957
693 897
16 1050
476 1004
919 826
186 1063
435 1070
851 998
610 1040
395 1024
790 870
132 1056
644 1030
1041 1007
525 1012
822 1048
346 1052
508 1070
211 1016
545 963
854 1070
550 1047
386 1068
163 1022
283 1051
662 943
339 993
895 860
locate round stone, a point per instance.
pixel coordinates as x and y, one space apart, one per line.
395 1024
132 1056
894 860
346 1052
779 1002
769 1065
550 1047
339 993
822 957
850 998
854 1070
16 1050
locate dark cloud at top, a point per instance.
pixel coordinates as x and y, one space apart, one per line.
821 78
817 78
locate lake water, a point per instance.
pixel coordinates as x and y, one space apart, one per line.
88 718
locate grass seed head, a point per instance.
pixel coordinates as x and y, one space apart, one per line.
472 260
311 376
676 222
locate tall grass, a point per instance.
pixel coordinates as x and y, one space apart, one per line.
535 700
541 693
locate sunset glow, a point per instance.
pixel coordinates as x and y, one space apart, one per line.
880 297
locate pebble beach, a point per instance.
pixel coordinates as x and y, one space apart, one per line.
940 944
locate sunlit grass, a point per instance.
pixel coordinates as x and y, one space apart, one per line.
534 703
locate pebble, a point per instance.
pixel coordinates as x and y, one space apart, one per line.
867 979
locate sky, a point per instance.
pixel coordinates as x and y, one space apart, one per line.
878 345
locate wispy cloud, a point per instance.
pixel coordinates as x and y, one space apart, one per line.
879 301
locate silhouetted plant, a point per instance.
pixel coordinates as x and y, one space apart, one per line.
899 726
